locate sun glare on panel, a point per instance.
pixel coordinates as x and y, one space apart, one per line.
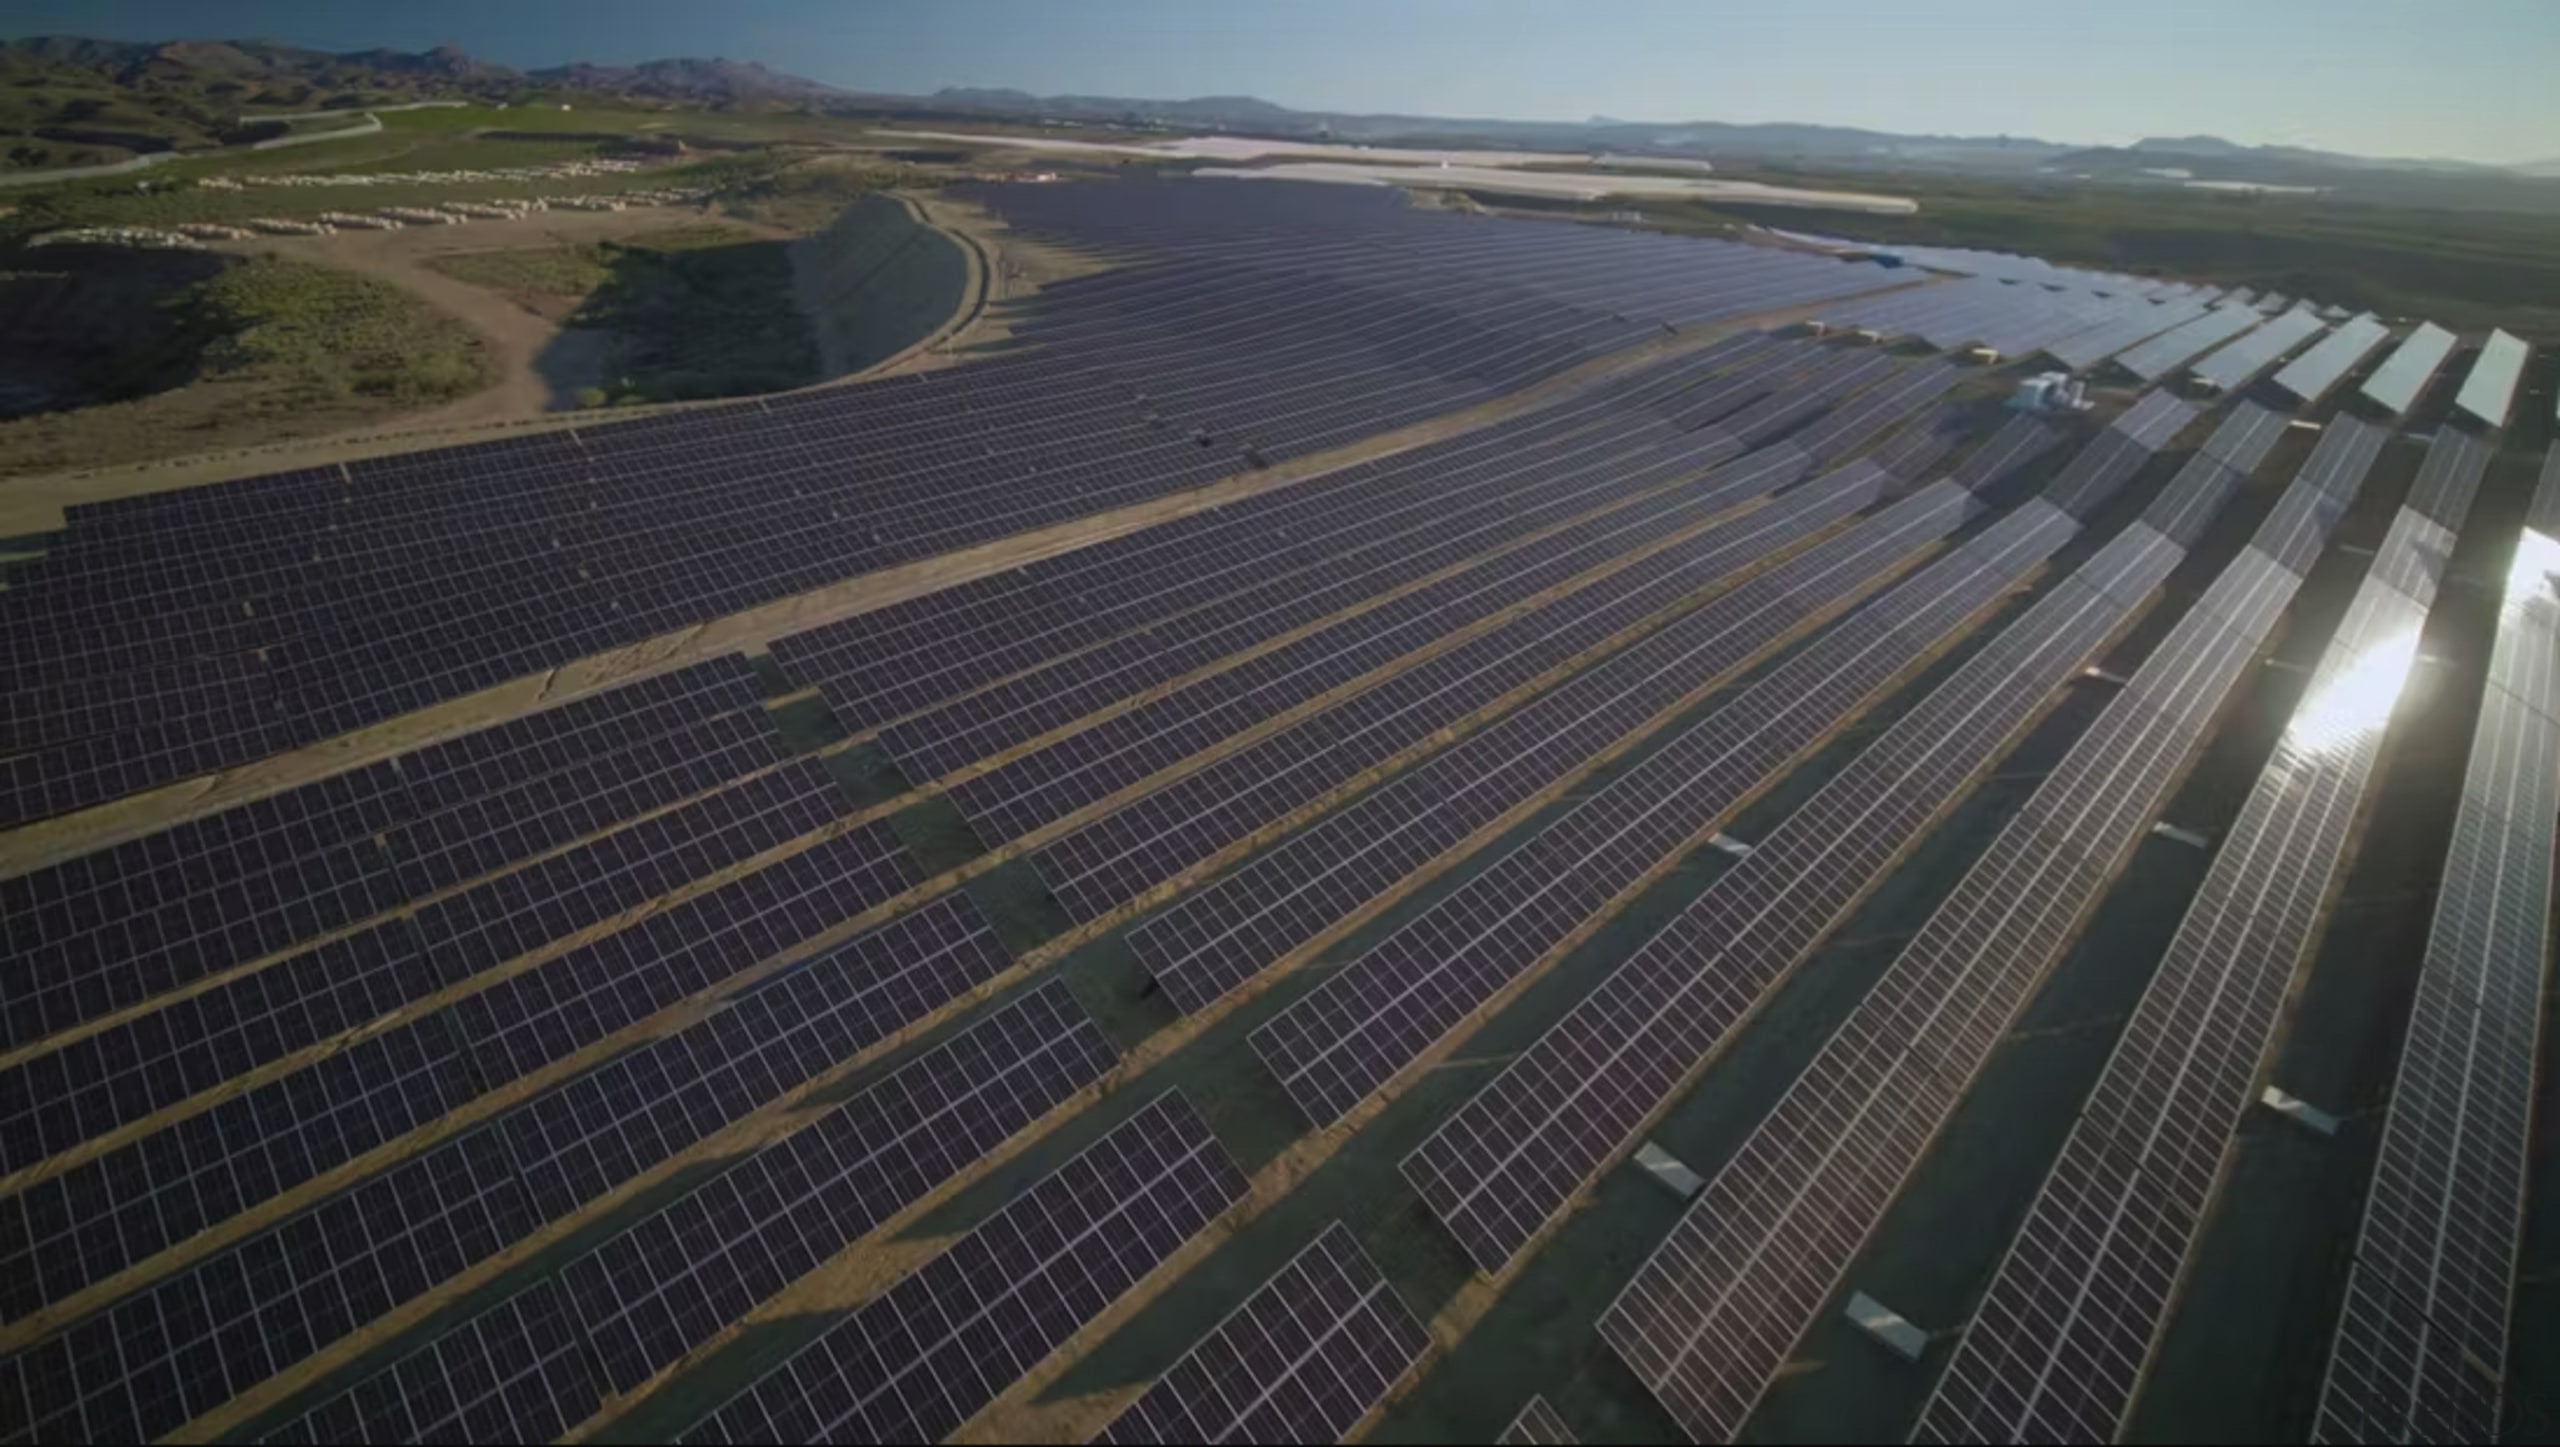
2359 697
2536 564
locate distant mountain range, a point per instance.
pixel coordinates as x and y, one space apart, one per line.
2211 157
66 100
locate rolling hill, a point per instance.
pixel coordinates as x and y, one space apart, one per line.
67 101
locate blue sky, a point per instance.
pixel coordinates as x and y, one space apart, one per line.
2478 79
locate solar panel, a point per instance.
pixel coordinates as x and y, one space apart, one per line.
668 1283
1537 1426
2241 362
2421 1343
1049 783
232 621
2489 393
2089 1277
1294 893
2395 385
2173 349
108 930
2310 376
194 1339
1714 1313
1549 489
1366 1022
1499 1168
1304 1359
915 1362
591 1134
515 1373
1109 861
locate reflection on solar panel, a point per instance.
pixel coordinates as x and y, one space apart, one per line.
2239 364
1507 1161
515 1373
1714 1312
2311 375
2088 347
1303 1360
1537 1426
2171 350
2489 393
2395 385
916 1361
2421 1352
2059 1344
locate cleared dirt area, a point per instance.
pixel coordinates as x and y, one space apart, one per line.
536 374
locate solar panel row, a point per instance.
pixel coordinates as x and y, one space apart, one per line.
2243 361
2489 393
1298 891
916 1361
250 1310
2166 353
2421 1350
668 1283
305 609
2395 385
515 1373
2010 318
1028 707
1373 646
1715 1312
2091 1274
2083 350
1304 1359
104 931
1537 1426
896 660
251 1146
2310 376
1407 632
1500 1168
1366 1022
1115 859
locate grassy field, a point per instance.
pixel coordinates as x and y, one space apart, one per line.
264 349
700 311
102 204
2467 270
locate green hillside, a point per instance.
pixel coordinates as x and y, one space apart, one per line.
71 102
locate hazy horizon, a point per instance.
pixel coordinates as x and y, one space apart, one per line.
2372 77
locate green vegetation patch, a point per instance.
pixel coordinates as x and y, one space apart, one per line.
161 199
320 335
2469 270
264 350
